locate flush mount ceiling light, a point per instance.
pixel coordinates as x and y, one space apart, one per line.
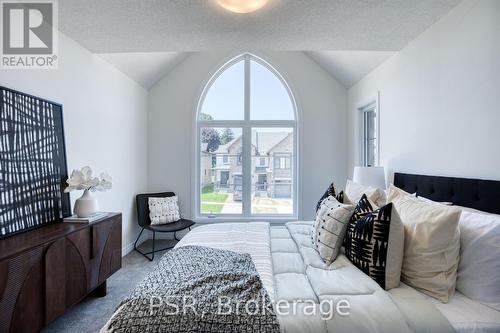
242 6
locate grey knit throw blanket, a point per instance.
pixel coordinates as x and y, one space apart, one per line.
198 289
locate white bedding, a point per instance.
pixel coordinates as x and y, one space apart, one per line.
292 270
251 238
468 316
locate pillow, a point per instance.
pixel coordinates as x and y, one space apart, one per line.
374 242
354 192
432 245
424 199
163 210
330 191
330 227
479 268
395 193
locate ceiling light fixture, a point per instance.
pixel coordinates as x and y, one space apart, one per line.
242 6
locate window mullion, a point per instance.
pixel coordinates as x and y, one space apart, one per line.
247 146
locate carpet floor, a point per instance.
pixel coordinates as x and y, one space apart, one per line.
92 313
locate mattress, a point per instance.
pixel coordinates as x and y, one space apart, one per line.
464 314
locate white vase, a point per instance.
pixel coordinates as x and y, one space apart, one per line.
86 205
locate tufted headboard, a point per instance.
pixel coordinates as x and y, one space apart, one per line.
473 193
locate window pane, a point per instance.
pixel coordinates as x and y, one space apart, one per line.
371 124
272 181
269 99
220 166
225 99
371 153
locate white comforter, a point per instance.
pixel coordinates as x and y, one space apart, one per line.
291 270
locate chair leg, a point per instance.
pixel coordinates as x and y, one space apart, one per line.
152 253
135 244
145 254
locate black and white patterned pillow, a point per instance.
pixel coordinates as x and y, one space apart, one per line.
330 192
374 242
163 210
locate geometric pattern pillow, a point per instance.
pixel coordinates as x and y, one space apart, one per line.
330 192
374 242
163 210
330 227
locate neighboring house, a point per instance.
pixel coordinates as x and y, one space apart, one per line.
206 165
272 160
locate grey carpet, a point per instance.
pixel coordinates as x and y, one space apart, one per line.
92 313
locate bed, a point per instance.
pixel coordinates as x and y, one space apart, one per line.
292 271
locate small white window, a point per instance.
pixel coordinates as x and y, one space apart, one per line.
370 135
262 161
225 159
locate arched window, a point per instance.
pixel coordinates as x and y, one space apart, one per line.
246 145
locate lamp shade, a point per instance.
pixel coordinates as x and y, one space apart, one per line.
369 176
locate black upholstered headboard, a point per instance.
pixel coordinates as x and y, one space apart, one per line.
474 193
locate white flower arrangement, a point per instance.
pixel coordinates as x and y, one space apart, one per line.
83 180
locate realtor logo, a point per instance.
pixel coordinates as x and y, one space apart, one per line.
29 34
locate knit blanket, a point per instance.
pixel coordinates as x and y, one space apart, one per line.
198 289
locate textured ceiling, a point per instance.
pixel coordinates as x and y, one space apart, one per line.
105 26
145 68
349 66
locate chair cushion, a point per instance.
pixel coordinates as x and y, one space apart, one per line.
171 227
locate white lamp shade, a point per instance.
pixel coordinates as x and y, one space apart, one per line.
369 176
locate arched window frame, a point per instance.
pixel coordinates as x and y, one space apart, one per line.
246 125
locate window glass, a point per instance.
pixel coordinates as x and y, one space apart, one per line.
269 98
370 136
225 99
221 182
266 185
273 184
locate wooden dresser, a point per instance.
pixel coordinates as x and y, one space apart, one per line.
45 271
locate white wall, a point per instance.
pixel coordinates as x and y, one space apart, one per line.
322 104
440 98
105 122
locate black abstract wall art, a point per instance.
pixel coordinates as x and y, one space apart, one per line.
33 167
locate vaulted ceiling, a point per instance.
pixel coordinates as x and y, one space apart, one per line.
146 27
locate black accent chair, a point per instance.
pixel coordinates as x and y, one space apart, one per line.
145 222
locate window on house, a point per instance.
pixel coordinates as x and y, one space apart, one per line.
282 161
246 112
370 135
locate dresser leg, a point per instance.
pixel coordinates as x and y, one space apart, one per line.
100 291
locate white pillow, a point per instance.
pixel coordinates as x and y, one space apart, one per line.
330 226
395 193
479 267
446 203
163 210
354 192
432 246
